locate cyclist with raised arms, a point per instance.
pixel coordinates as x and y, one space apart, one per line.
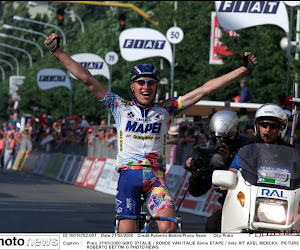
142 132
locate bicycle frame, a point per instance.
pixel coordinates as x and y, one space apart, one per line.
145 220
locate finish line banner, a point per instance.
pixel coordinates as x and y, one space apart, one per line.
126 241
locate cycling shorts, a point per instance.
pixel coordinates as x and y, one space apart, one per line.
151 181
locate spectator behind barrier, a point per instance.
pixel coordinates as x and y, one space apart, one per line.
112 137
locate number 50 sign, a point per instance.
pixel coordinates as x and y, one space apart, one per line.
175 35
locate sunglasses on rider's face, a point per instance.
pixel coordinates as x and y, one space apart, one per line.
272 125
150 82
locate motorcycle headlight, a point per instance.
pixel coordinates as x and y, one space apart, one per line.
271 211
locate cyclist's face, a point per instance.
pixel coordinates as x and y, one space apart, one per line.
144 89
268 130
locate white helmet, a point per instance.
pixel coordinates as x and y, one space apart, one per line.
224 123
271 111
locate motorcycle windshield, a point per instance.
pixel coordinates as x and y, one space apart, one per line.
270 165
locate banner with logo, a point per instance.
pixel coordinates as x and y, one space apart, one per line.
84 170
30 161
178 184
18 164
216 47
93 63
235 15
94 173
41 163
54 165
140 43
53 78
108 180
73 172
70 168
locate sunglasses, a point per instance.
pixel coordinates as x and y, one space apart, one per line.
270 124
150 82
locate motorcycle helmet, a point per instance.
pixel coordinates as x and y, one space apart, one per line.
225 123
273 112
144 69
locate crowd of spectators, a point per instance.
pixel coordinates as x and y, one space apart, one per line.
103 134
41 133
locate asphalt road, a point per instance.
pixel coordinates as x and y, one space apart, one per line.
34 204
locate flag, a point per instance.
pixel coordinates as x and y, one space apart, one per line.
235 15
140 43
53 78
93 63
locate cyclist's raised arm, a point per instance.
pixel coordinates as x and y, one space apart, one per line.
219 83
80 72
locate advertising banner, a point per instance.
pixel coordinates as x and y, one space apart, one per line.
178 183
54 165
140 43
94 173
108 180
93 63
84 170
216 47
41 164
53 78
174 176
73 172
67 165
19 160
235 15
30 161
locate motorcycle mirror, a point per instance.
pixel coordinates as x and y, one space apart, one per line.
224 178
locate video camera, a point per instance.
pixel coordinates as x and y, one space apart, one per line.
202 157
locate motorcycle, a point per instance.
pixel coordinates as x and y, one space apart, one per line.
264 195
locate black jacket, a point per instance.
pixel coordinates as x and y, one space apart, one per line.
198 186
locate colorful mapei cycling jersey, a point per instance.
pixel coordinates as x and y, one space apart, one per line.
142 138
142 133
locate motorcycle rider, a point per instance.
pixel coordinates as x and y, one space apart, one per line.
270 127
224 129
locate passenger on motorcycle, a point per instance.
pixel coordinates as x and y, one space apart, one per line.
224 128
142 132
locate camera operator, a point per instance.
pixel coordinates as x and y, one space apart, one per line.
217 153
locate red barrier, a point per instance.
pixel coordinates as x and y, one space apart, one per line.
84 170
94 173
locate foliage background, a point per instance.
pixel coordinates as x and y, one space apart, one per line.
102 35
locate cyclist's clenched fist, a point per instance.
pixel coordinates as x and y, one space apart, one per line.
52 42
